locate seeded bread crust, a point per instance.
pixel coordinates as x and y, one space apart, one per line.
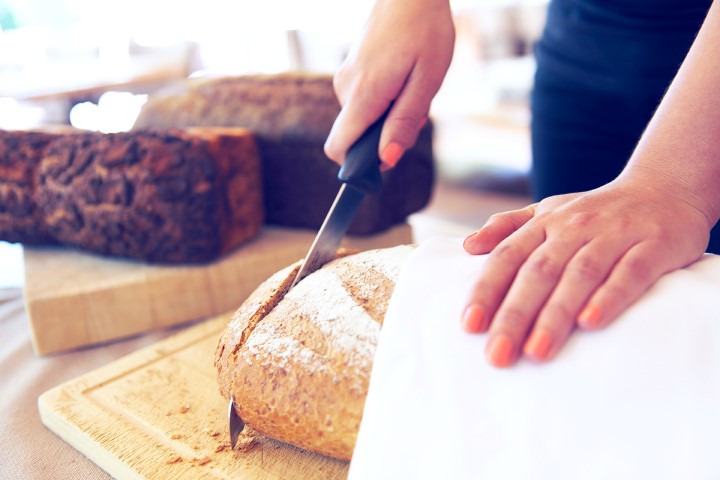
298 361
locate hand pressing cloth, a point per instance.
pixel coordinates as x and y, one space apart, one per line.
638 399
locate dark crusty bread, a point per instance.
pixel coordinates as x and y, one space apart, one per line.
298 362
291 115
20 218
167 196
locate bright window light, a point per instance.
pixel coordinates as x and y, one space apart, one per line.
114 112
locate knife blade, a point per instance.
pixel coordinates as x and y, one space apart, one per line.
359 174
235 424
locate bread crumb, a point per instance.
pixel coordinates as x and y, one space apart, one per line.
184 408
202 461
175 459
175 436
246 441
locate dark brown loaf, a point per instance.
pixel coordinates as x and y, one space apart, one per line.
20 218
168 196
298 362
291 115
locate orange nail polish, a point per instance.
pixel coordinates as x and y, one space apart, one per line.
590 316
499 351
473 319
538 345
392 153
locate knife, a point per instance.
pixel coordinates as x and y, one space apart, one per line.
359 174
236 424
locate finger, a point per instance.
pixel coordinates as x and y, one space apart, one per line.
499 270
354 118
496 229
533 285
365 98
585 271
630 278
343 79
407 116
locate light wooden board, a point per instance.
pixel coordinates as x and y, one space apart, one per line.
74 299
128 418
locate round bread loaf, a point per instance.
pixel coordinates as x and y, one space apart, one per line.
298 361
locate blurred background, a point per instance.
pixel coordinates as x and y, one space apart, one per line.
91 64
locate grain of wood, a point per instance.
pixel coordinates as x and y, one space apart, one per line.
157 413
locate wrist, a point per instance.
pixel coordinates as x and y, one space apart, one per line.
674 183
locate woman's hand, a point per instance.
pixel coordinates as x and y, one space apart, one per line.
584 258
402 57
577 259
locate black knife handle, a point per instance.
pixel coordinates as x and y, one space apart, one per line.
361 169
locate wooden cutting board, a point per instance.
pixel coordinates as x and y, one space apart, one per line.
74 299
157 413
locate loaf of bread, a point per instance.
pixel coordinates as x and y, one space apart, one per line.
298 362
291 114
166 196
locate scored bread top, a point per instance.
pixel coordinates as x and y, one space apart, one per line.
298 361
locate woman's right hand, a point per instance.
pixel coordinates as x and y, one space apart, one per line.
401 59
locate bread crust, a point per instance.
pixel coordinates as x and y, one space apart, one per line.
298 361
165 196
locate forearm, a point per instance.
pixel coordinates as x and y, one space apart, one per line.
680 149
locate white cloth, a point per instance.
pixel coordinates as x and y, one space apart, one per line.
637 400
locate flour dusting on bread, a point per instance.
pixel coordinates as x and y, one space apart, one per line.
340 328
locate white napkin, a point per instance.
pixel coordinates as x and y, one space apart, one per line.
637 400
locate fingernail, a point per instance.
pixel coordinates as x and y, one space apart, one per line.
590 317
538 345
392 153
469 238
499 351
473 319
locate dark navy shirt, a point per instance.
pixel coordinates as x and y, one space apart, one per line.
645 14
619 45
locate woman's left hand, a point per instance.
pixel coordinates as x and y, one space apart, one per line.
578 259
